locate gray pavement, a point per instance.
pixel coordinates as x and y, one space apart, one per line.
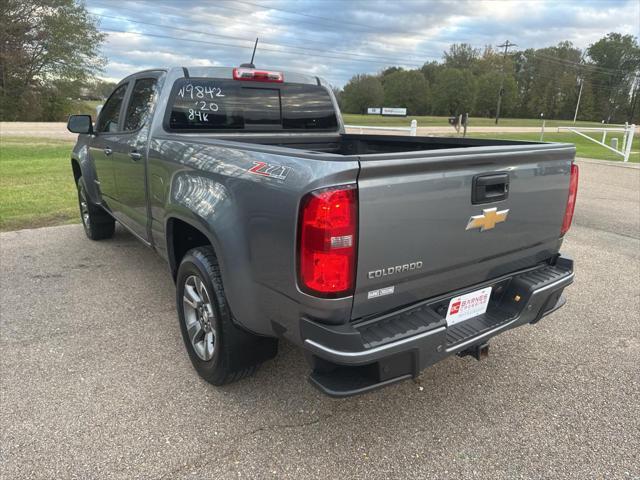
95 382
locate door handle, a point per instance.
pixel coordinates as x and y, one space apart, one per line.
108 151
135 156
490 188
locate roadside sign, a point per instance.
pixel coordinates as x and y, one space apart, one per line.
400 112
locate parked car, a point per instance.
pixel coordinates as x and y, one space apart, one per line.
378 255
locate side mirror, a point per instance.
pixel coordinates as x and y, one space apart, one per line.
80 124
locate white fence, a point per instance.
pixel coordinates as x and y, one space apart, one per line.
413 129
627 138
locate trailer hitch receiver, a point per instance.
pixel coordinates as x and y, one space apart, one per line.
479 352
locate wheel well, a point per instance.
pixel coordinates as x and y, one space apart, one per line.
182 238
77 173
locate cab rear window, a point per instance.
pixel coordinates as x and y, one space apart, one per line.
205 104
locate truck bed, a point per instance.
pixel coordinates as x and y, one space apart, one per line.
357 144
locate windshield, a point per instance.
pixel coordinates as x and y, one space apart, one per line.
206 104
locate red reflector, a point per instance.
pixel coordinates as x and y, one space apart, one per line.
251 75
571 199
327 242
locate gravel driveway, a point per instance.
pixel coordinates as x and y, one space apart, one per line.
96 383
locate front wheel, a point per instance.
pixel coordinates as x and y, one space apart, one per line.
97 223
220 351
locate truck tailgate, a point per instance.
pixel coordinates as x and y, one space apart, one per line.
415 209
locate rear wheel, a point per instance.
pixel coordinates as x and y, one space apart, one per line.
220 351
97 223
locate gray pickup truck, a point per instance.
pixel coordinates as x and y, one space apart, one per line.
378 255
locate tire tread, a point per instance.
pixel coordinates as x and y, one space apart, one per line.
101 225
234 339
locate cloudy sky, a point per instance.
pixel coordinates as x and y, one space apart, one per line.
339 38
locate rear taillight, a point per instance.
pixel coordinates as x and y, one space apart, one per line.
571 200
252 75
327 241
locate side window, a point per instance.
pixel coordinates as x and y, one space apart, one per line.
110 114
140 104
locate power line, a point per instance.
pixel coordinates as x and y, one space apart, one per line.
348 53
331 24
615 83
326 19
594 68
221 44
404 60
506 46
342 55
605 89
229 37
576 64
322 43
579 68
331 21
235 20
535 77
539 75
368 27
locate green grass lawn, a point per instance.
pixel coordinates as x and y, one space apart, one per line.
584 147
36 183
37 189
427 121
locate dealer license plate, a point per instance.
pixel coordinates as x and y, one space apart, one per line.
468 306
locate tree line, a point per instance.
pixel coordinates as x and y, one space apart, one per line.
50 55
606 77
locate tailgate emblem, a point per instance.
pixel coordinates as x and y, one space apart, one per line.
488 219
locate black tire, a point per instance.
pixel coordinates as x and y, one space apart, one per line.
236 353
97 223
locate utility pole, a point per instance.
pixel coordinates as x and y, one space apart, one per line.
581 80
506 45
634 98
578 104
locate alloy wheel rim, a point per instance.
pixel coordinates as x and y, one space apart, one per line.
199 317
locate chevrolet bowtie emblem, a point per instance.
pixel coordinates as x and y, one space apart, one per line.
488 219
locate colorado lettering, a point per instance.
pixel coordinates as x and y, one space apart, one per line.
384 272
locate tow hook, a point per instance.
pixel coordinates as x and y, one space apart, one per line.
479 352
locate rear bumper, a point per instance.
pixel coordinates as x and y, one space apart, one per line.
355 358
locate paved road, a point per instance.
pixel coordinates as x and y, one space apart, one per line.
58 130
96 384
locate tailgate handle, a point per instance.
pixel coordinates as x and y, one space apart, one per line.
489 188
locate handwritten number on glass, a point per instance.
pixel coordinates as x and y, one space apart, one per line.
206 106
201 116
195 92
203 96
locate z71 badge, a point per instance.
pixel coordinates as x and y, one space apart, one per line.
270 170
